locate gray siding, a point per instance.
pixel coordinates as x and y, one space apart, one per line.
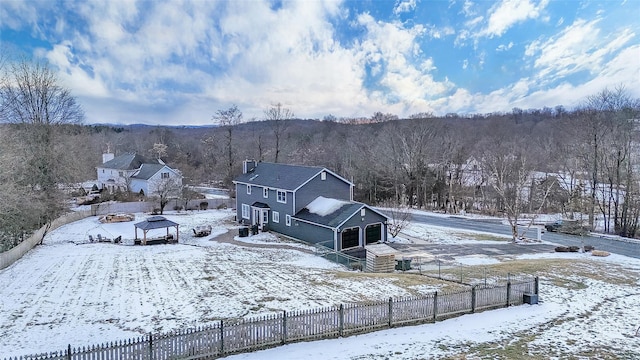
310 233
257 195
282 209
332 187
370 218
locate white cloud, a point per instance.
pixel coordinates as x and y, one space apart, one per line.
579 47
409 82
503 47
467 8
509 12
403 6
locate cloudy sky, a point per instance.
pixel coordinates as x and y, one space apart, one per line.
177 62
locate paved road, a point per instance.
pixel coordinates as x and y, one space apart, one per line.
495 226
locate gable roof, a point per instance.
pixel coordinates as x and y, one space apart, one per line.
124 162
331 212
147 171
282 176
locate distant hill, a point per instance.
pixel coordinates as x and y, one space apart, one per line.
144 126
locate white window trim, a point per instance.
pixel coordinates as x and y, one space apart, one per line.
284 192
275 216
248 189
265 217
323 175
265 193
246 211
287 220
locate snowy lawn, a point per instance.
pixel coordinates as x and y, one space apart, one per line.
590 310
69 291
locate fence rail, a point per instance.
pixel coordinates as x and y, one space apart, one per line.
244 335
12 255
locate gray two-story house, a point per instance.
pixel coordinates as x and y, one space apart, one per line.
309 203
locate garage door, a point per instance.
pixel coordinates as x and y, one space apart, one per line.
350 238
373 233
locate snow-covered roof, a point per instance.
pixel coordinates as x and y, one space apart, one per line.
324 206
331 212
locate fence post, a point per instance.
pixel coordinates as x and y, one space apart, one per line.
473 299
536 287
150 347
341 321
284 327
69 352
390 312
221 337
508 293
435 305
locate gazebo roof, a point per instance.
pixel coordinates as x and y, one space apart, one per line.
155 222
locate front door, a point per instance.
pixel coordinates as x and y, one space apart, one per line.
260 217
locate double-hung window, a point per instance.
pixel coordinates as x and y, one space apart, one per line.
265 193
275 216
288 220
248 189
282 196
245 211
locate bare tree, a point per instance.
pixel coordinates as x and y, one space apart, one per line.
166 189
229 119
400 218
277 115
505 157
159 150
32 99
607 124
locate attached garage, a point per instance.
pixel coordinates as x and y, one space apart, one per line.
350 238
373 233
352 224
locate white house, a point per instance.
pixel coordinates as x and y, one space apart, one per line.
134 172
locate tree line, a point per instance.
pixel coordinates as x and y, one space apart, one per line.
577 162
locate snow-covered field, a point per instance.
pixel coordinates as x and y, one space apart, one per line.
69 291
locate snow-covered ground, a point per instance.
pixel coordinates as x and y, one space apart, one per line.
69 291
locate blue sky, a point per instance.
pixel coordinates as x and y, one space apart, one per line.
178 62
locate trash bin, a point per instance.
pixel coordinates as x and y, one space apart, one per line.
254 229
404 264
243 231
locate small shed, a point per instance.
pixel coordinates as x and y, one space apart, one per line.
156 222
381 258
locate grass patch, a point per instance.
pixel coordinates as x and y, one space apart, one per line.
403 280
561 269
